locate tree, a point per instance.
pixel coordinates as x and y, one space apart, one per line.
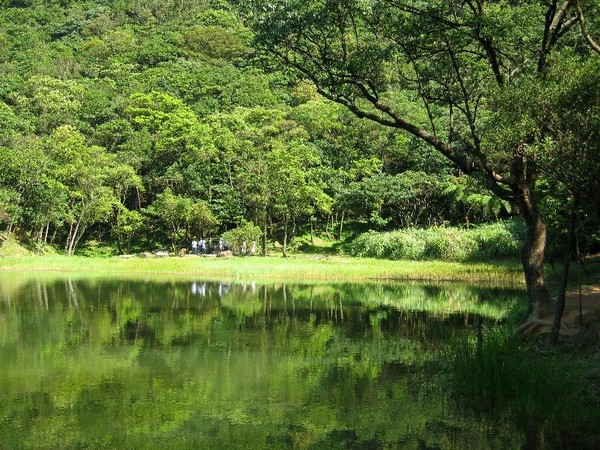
172 211
214 42
432 69
294 183
176 135
12 125
270 163
472 201
52 101
181 215
92 179
201 220
128 224
34 198
246 231
569 106
10 210
409 199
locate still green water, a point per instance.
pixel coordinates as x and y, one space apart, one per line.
88 362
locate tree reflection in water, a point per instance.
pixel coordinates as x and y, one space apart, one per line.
189 364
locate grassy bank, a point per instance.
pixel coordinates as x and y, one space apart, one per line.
275 267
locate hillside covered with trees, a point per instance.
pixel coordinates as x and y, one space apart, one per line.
138 125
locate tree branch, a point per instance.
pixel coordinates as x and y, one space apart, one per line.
593 44
546 35
394 120
555 27
465 94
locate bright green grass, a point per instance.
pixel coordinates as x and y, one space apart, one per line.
313 268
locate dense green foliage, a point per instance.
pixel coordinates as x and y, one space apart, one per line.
492 241
137 126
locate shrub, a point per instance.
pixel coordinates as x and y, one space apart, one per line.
403 245
97 249
491 241
369 245
499 240
247 231
449 244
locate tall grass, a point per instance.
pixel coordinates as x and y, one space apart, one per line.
497 241
506 378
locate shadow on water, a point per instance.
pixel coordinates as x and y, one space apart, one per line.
94 362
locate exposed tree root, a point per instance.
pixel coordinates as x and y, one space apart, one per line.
580 323
532 323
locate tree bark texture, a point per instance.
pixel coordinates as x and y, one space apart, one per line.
540 302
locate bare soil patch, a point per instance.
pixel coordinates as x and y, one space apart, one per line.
580 321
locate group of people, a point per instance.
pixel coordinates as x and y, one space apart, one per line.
198 247
244 249
201 247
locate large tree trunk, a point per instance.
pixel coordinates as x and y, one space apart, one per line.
540 301
533 263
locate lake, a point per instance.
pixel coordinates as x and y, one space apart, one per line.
96 362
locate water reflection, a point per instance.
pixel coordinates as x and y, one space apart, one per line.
116 363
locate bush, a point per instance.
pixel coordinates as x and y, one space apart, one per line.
247 231
368 245
449 244
94 248
499 240
491 241
403 245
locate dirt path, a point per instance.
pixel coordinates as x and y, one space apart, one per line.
581 318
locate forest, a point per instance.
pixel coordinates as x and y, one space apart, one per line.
138 125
